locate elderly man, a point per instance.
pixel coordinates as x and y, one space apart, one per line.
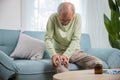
62 39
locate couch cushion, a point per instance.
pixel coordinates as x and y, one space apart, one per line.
8 40
29 47
39 35
40 66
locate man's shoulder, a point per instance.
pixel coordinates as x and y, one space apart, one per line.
53 15
77 15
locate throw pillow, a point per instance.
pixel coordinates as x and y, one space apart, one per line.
29 48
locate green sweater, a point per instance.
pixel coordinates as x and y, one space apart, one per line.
63 39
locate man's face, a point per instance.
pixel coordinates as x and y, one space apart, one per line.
65 18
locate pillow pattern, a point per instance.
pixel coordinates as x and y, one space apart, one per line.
29 48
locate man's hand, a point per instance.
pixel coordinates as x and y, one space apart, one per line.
55 58
65 60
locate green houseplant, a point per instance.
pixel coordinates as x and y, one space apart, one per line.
113 24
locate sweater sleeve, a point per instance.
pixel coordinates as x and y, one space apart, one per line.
49 37
74 44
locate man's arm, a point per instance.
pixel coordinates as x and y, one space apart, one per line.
74 45
49 42
49 37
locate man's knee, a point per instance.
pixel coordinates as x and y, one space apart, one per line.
91 64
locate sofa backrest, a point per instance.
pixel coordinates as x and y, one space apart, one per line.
85 43
8 40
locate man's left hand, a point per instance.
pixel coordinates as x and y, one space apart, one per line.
65 60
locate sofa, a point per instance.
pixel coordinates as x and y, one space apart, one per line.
23 69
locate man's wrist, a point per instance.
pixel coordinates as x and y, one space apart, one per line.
53 55
65 56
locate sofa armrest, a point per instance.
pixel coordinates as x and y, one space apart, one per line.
106 54
114 59
7 62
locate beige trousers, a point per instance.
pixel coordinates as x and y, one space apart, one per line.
81 59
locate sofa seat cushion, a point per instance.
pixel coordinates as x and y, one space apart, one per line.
36 67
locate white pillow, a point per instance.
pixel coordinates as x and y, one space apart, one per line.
29 48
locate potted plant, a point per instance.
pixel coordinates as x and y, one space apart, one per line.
113 24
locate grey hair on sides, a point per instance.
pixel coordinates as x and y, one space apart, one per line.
60 7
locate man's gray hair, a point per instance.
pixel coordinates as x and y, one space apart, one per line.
61 7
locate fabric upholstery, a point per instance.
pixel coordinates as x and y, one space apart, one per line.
7 62
85 42
8 40
114 60
37 67
39 35
102 53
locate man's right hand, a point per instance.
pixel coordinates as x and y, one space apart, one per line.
54 59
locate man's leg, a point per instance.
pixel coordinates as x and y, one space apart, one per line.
61 68
84 60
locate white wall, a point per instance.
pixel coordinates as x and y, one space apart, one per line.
28 14
10 14
95 23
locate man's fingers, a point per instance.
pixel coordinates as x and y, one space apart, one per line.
59 60
66 64
54 59
54 63
63 59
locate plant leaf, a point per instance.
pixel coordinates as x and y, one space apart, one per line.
117 8
118 2
115 43
111 5
109 27
115 21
